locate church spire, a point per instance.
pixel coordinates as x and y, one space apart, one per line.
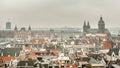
84 27
84 24
88 25
29 28
101 18
15 28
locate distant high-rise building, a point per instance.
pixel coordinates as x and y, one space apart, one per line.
8 25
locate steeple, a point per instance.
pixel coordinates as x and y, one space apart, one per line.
29 28
101 18
84 24
15 28
84 27
88 25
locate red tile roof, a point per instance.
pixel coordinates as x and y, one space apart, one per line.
7 58
31 56
107 45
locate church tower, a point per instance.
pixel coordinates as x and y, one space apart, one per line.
84 27
101 26
88 25
29 28
15 29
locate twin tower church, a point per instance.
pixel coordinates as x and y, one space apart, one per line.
101 27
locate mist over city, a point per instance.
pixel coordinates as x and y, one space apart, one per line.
59 34
70 13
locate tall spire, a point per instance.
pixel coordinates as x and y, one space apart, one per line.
101 18
84 24
84 27
88 25
15 27
29 28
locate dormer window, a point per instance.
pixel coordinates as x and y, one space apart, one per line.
113 54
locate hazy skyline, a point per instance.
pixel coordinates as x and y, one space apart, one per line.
59 13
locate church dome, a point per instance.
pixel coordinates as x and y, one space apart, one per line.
101 21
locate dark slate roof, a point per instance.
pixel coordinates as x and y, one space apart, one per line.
10 51
93 30
115 50
107 31
28 62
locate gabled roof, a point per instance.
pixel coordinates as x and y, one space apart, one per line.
10 51
92 61
7 58
93 30
28 62
31 56
115 50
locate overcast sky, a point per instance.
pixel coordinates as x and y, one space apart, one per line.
59 13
